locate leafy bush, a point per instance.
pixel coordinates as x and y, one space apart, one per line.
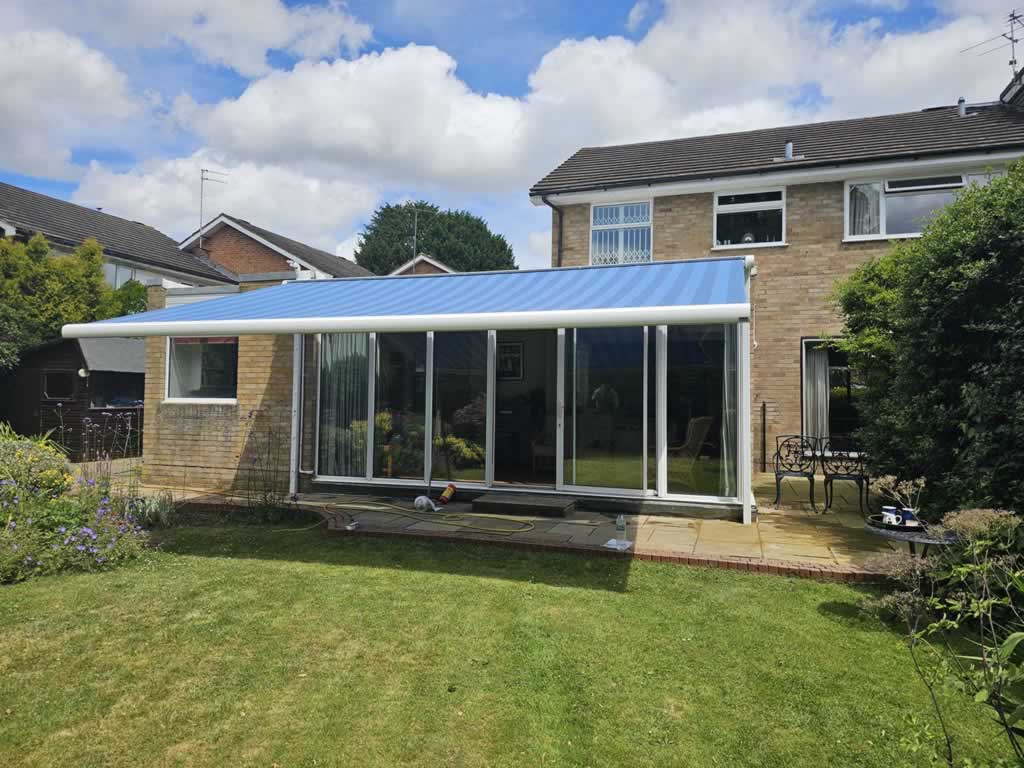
155 511
936 329
32 468
101 537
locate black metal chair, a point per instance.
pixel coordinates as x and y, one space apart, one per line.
841 460
795 456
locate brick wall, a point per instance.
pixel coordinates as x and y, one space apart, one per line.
241 254
221 446
790 291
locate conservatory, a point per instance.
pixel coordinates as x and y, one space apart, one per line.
617 381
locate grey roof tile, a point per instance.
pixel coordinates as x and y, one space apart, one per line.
70 224
930 132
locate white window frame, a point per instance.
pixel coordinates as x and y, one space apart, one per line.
768 205
883 183
592 227
192 400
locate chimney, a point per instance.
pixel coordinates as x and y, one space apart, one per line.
789 150
961 106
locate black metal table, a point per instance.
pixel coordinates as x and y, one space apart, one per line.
911 537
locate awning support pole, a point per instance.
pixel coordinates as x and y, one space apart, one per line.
745 435
295 441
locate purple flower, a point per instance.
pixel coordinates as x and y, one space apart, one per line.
110 544
80 548
99 560
90 483
63 529
57 546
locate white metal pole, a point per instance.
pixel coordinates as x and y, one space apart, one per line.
295 441
744 426
428 427
661 395
560 411
492 348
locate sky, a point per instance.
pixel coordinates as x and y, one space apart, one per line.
319 111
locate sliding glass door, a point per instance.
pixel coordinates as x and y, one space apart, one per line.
399 406
460 406
605 408
343 404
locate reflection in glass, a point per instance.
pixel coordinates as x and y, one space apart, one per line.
344 375
701 379
399 402
604 407
460 406
909 213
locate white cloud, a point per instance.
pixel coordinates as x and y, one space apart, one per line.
637 15
538 251
234 33
346 249
57 93
165 194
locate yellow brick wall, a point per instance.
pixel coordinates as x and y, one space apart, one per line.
790 291
221 446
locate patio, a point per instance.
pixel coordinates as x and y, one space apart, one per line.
792 540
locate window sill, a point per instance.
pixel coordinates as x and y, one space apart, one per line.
748 246
877 238
199 401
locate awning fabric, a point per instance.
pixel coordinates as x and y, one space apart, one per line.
673 292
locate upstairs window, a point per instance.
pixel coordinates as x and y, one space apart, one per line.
620 234
750 219
203 368
901 207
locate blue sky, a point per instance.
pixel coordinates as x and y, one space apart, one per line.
319 111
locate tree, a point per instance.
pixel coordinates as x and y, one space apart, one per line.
936 327
40 292
458 238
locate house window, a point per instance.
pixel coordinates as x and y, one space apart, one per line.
750 219
116 390
831 392
203 368
901 207
58 385
620 234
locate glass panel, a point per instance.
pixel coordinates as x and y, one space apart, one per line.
400 400
652 406
844 393
981 179
344 387
750 197
605 215
865 201
460 406
604 246
636 245
605 388
636 213
59 385
935 181
116 390
907 214
749 227
524 427
696 385
203 367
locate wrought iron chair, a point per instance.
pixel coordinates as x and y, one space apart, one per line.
841 460
795 456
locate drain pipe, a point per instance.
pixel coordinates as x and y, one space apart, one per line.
560 212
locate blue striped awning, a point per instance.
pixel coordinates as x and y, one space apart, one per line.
695 291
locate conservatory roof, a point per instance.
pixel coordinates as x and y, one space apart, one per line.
669 292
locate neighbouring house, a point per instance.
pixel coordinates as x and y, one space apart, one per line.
132 250
242 248
689 295
88 392
423 265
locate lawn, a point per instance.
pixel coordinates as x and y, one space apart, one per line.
260 646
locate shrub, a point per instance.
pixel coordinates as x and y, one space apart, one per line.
936 329
32 468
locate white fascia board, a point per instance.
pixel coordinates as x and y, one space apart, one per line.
224 221
779 178
571 318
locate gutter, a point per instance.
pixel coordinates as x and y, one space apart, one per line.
561 213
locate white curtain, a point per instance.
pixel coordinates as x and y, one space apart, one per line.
865 208
344 376
727 478
816 390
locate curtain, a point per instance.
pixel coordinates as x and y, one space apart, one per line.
865 208
816 390
727 472
344 379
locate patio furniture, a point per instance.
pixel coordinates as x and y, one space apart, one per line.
911 537
795 456
696 430
841 460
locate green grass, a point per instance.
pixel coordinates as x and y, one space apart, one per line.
256 646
